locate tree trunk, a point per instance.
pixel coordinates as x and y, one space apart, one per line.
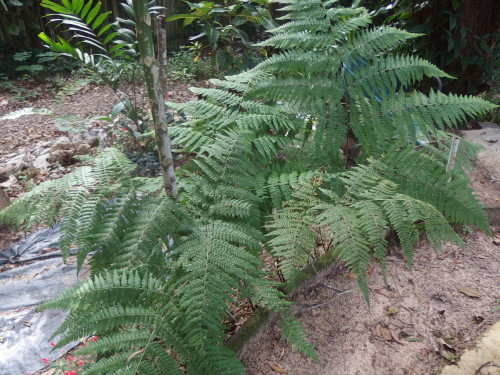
155 93
161 39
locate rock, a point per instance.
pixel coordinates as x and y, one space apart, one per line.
41 161
6 172
41 149
16 163
83 149
4 203
98 133
4 200
31 172
488 125
60 156
9 183
93 142
61 145
484 359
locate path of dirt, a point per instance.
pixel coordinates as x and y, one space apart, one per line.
410 325
92 100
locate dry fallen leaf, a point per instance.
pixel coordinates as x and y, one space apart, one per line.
449 356
385 333
442 256
277 369
392 310
412 339
470 292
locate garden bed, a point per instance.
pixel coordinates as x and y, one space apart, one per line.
417 324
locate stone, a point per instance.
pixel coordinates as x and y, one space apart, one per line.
98 133
4 200
31 172
6 172
4 203
41 161
60 156
61 145
93 142
488 125
493 212
484 359
17 162
10 182
83 149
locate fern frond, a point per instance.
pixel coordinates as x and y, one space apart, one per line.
25 111
108 320
382 77
111 364
367 43
291 235
117 341
129 286
293 333
419 174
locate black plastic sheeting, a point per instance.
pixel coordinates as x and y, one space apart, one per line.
38 275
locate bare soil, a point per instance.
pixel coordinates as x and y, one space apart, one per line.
90 101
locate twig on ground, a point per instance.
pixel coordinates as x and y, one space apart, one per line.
487 364
333 288
324 303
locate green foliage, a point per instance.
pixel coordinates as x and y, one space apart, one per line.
25 111
95 42
186 65
456 40
225 26
34 63
319 137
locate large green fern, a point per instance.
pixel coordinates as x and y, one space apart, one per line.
321 136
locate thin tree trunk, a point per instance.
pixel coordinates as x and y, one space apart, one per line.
155 93
161 37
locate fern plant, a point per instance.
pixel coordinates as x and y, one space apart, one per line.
320 136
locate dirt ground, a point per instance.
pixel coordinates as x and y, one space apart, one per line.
421 317
91 100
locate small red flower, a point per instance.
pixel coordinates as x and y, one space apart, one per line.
45 360
82 346
79 363
94 338
52 343
124 129
69 373
69 358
